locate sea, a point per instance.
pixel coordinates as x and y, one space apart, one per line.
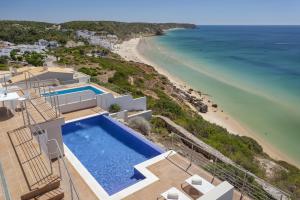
252 72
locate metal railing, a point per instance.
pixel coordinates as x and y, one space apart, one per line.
4 79
241 179
43 141
41 88
4 186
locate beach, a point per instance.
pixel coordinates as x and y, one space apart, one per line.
129 51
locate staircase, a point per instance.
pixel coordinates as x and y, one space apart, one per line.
43 179
40 109
46 179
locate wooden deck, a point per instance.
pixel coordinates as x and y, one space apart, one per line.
171 172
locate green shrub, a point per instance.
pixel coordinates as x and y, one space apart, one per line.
3 59
3 67
34 58
113 108
88 71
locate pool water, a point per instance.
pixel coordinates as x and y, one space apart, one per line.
78 89
108 150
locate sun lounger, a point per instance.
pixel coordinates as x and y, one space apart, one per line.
199 184
174 194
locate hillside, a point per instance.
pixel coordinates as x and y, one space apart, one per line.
123 30
28 32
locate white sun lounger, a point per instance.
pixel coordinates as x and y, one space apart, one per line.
200 184
174 194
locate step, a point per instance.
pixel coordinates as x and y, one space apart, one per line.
40 191
56 194
39 109
35 165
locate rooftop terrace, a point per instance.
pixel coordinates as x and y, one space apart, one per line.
33 167
171 171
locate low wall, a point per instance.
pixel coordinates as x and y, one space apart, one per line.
120 115
126 102
53 129
147 114
224 191
78 105
75 97
72 101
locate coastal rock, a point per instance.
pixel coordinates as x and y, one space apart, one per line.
203 108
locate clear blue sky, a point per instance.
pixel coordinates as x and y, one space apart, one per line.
193 11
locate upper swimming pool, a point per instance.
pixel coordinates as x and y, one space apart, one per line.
108 150
77 89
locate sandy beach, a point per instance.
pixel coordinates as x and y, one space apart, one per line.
128 50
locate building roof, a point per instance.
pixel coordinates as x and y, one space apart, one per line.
36 71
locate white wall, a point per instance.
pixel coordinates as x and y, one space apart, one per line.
74 97
147 114
78 105
71 102
126 102
224 191
53 129
120 115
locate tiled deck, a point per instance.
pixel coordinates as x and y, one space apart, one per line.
82 113
12 170
171 172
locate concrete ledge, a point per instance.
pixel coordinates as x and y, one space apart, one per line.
223 191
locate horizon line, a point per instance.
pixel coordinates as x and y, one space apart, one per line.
85 20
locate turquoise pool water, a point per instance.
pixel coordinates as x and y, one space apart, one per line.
78 89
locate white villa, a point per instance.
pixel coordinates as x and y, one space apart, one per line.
104 40
59 141
39 47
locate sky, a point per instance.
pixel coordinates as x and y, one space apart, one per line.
201 12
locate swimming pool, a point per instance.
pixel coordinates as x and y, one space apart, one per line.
77 89
108 150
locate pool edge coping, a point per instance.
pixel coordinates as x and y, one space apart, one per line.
86 85
100 192
95 186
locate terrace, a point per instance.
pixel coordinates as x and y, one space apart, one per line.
34 165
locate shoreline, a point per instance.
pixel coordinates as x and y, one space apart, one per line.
128 51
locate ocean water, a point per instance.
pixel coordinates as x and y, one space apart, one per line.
253 72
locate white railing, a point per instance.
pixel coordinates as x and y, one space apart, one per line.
3 183
240 178
44 144
40 88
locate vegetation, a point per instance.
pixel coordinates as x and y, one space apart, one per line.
28 32
140 124
34 58
113 108
3 63
3 67
3 59
123 30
